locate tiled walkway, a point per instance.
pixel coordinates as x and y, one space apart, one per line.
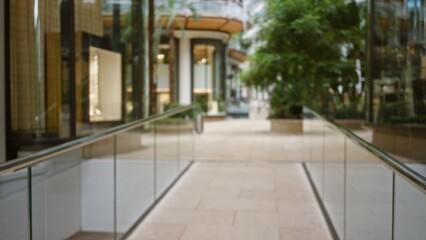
246 140
266 197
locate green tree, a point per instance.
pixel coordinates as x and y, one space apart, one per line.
308 48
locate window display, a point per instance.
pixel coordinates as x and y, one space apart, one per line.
105 85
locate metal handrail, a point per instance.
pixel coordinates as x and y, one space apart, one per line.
24 162
416 178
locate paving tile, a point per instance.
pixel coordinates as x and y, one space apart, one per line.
180 216
179 202
280 194
239 169
195 182
206 192
299 207
309 220
249 186
230 233
158 231
291 184
256 219
237 204
242 184
304 234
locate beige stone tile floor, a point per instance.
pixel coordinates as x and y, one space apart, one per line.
246 140
246 183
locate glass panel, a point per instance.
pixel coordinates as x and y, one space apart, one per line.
97 191
307 135
73 194
167 153
334 179
57 192
317 151
135 175
186 140
14 221
368 195
410 211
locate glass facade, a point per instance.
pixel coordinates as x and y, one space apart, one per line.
399 59
397 78
166 72
208 80
75 67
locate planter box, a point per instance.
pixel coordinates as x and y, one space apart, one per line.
214 117
291 126
406 140
173 128
351 124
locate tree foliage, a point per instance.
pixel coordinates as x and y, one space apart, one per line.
308 48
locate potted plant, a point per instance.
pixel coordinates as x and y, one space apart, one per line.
300 57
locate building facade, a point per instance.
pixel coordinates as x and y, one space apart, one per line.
79 66
193 56
397 77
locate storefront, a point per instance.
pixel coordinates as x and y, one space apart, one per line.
73 68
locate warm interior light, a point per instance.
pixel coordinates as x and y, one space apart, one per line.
203 60
98 111
94 86
161 56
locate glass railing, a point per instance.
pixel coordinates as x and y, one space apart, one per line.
366 194
97 187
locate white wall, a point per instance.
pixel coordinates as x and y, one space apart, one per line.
185 58
2 86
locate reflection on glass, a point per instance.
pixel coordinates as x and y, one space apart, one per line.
398 79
